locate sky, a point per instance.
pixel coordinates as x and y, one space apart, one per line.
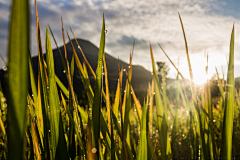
207 23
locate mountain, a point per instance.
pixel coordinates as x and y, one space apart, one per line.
140 76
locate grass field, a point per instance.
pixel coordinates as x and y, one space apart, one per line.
50 124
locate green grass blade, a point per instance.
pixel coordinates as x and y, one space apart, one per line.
18 75
142 153
226 147
175 124
85 59
108 103
59 51
56 128
160 110
96 110
189 63
84 76
137 103
117 95
42 87
61 86
128 104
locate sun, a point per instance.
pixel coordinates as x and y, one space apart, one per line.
200 79
199 71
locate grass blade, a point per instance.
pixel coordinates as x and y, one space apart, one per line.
226 147
18 76
96 110
142 148
54 107
108 104
165 152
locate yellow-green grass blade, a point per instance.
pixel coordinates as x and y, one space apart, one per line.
137 103
164 94
226 146
96 109
128 104
174 65
42 87
38 108
61 86
117 95
43 102
42 67
62 153
142 152
124 102
112 138
34 136
77 119
220 85
83 74
59 51
18 76
165 124
160 109
151 93
56 129
2 114
108 103
72 68
189 63
2 128
105 132
119 131
194 93
175 124
85 59
124 148
212 142
71 139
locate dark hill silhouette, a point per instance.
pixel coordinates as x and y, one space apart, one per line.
140 76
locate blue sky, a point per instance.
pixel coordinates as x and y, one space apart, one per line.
207 24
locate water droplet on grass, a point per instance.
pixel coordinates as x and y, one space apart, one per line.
94 150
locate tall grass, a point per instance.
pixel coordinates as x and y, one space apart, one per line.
50 123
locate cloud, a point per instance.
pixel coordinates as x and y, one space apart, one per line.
207 26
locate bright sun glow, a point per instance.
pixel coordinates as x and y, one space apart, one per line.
199 64
199 71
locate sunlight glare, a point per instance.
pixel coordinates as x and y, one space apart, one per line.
199 70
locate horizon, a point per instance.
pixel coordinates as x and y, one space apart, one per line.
207 25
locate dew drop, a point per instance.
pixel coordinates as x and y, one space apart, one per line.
5 68
94 150
3 99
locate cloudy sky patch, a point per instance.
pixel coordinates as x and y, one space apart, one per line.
207 25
